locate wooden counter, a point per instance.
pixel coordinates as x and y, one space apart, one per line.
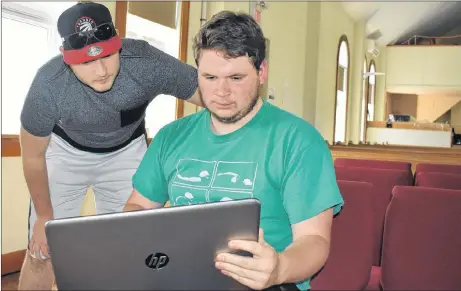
414 155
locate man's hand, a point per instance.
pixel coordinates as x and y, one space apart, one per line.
38 247
257 272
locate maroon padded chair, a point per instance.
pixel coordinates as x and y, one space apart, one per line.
380 164
439 180
384 181
376 164
422 240
349 263
439 168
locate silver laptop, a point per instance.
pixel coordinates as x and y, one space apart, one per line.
164 249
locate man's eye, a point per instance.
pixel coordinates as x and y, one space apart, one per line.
210 78
236 78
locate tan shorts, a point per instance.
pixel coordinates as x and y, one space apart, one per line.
71 172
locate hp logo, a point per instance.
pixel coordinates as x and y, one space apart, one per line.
157 261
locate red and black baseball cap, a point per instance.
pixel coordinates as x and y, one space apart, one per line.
87 33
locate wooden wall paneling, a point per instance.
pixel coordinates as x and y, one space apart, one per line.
12 262
414 155
11 146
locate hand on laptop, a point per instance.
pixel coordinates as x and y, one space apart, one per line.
257 272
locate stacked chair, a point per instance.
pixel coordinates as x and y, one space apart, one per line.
415 221
349 264
422 240
438 176
439 180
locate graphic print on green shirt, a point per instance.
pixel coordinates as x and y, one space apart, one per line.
198 181
276 157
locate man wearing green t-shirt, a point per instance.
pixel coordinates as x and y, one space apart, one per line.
243 147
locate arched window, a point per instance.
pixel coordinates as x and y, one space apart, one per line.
342 78
363 104
371 92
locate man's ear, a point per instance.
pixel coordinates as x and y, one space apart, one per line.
116 31
61 49
263 71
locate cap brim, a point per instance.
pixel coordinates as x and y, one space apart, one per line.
92 51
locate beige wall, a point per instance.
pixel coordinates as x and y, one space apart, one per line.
358 56
287 53
431 107
423 68
404 104
312 60
15 206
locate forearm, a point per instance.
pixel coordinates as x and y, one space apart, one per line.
304 258
132 207
36 175
139 202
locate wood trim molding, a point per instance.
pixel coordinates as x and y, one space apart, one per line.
414 155
183 45
411 125
12 262
420 45
11 147
121 10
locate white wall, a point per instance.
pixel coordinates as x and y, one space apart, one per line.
409 137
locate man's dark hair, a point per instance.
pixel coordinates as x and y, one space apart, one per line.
234 34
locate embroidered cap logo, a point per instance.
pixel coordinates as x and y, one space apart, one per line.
84 24
94 51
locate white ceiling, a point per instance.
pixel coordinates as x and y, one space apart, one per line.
395 22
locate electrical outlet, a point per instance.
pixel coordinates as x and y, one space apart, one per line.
271 94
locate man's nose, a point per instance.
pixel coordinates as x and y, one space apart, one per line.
223 87
99 68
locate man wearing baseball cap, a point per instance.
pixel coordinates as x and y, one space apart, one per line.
83 123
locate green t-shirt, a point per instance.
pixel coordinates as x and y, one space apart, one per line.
276 157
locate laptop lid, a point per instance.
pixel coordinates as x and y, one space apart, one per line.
163 249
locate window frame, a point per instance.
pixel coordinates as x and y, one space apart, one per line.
371 90
342 39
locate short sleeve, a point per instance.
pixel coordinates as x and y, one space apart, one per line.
309 185
39 113
170 75
149 179
180 79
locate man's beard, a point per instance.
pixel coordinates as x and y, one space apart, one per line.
237 116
